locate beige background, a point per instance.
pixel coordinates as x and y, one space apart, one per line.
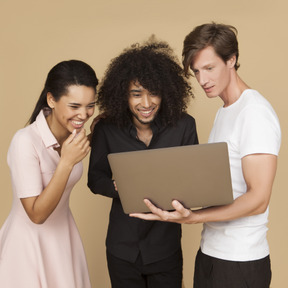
35 35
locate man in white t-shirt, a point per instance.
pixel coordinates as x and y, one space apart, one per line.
234 250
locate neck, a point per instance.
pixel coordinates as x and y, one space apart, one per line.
60 136
144 132
234 89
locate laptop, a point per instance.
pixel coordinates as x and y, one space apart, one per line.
196 175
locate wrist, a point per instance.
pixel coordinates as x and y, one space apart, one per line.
66 165
195 217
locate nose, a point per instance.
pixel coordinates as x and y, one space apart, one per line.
202 78
83 114
146 100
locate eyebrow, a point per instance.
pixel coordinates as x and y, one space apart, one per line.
74 104
135 90
77 104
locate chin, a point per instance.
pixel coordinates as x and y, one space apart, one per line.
147 121
211 95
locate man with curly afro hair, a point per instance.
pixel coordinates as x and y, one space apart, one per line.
143 95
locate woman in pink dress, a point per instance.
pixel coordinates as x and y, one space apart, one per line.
40 245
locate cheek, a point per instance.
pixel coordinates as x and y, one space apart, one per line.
131 104
224 74
157 101
90 112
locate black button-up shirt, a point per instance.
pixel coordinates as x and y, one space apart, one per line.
128 236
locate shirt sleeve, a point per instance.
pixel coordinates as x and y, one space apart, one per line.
259 131
99 172
190 136
24 166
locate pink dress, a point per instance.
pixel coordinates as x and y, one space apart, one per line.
48 255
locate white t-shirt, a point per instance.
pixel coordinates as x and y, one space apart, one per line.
249 126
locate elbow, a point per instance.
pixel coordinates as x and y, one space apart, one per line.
35 214
92 187
37 219
96 186
262 207
39 222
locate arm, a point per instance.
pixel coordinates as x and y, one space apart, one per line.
258 171
40 207
190 136
93 124
99 172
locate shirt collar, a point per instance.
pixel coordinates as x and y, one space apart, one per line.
47 136
156 126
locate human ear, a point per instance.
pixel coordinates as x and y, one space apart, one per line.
50 100
232 61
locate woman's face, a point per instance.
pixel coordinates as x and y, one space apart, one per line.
72 110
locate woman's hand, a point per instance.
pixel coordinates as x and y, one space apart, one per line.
75 148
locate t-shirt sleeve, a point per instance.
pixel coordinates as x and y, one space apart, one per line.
259 131
24 166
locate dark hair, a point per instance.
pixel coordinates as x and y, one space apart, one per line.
60 77
157 69
223 38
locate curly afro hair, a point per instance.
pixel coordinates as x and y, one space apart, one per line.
157 69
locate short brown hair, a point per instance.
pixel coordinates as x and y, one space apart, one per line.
223 38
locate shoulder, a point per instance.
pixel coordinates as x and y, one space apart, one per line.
23 145
104 129
252 97
25 139
24 135
186 124
257 124
255 105
186 119
105 125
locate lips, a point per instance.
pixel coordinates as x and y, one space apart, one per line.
146 113
77 124
208 89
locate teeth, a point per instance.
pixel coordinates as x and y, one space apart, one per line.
78 122
146 112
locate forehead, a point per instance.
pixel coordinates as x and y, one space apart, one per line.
79 93
135 85
205 57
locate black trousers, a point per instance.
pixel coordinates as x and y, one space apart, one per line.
166 273
212 272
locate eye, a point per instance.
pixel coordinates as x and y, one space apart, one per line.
91 106
74 107
195 72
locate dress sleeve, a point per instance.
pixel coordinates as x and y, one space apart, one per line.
99 172
24 166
